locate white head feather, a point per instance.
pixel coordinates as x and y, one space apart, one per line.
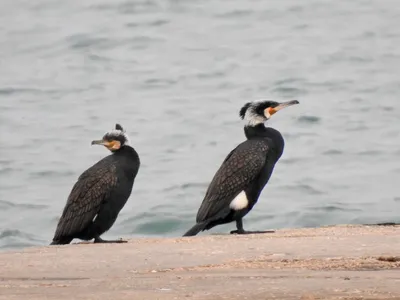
252 117
118 132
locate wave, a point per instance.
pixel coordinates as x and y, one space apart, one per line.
13 238
187 186
7 204
309 119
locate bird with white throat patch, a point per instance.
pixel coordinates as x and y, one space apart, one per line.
246 170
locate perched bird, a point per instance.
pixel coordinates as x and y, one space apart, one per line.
242 176
100 192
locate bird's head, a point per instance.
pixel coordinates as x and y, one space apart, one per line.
258 112
113 140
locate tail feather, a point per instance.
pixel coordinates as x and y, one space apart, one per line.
62 241
196 229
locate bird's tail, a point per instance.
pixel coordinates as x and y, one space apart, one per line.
196 229
62 241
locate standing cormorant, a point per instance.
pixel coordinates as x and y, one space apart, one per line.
100 192
242 176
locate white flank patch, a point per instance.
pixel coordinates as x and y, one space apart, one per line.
239 202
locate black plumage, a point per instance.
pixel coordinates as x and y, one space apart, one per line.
100 192
238 183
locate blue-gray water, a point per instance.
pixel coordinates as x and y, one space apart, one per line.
175 74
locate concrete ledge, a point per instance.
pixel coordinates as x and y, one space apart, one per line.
339 262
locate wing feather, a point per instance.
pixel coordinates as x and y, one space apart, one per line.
239 168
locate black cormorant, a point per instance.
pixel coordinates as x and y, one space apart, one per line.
242 176
100 192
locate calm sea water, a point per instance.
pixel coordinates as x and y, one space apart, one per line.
175 74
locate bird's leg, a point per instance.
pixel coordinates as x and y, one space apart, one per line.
239 226
240 229
98 239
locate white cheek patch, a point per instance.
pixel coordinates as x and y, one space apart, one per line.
239 202
252 118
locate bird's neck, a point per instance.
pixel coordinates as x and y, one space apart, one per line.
128 152
260 131
128 159
254 131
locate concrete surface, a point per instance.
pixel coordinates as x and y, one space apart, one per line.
340 262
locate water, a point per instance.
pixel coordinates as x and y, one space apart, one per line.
175 74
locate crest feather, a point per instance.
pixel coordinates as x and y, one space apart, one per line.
117 133
119 127
243 110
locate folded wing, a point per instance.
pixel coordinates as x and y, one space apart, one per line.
92 188
239 168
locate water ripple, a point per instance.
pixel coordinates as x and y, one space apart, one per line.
155 23
20 90
289 91
333 152
22 206
11 238
176 73
158 226
83 41
370 152
304 188
331 208
186 186
237 13
309 119
6 233
52 173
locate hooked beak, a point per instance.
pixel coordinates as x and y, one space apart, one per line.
282 105
110 145
100 142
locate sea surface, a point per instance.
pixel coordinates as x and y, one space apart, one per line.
175 73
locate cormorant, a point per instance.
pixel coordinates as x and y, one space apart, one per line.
100 192
242 176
